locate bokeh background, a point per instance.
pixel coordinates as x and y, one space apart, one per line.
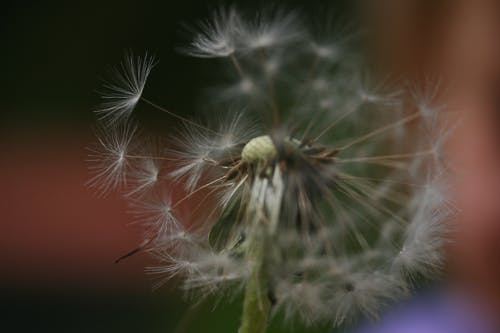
58 240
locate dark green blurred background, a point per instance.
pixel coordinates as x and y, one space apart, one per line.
57 241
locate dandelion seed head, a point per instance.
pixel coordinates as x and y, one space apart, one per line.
156 214
426 233
216 37
320 184
143 177
193 156
425 97
109 164
122 92
271 28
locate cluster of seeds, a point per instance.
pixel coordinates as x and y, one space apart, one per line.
323 198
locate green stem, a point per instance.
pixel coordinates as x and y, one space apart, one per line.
256 305
263 211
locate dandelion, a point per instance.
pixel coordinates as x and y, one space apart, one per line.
321 202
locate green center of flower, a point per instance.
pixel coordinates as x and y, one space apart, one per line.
259 149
